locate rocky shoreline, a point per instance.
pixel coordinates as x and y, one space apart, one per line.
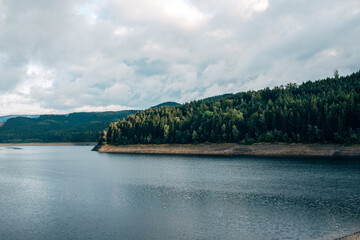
233 149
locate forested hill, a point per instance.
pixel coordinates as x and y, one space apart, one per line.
167 104
75 127
323 111
3 119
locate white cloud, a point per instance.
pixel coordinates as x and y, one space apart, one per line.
118 92
123 31
240 9
220 34
80 55
88 108
89 9
14 103
328 53
3 13
182 13
37 80
218 89
175 12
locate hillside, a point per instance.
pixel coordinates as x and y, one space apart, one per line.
3 119
323 111
74 127
166 104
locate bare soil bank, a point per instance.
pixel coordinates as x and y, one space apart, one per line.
355 236
233 149
51 144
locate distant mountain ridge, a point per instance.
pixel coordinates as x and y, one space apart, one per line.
73 127
7 117
4 118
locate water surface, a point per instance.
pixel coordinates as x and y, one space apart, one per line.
69 192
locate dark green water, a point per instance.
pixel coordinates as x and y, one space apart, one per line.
73 193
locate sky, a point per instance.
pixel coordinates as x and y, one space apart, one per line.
101 55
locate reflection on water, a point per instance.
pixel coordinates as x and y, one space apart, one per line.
68 192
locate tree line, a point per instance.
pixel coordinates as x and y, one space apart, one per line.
74 127
323 111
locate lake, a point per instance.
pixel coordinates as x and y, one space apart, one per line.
69 192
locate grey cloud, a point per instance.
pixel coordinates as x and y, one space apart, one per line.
139 53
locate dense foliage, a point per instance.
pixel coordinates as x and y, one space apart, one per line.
321 111
75 127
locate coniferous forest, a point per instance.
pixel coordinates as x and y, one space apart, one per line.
324 111
74 127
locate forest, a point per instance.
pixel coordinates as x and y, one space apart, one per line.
74 127
322 111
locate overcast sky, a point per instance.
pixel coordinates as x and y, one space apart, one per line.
93 55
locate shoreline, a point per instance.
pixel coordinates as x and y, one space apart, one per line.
50 144
234 149
354 236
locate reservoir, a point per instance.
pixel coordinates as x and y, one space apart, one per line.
69 192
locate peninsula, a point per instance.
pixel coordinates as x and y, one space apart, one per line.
320 118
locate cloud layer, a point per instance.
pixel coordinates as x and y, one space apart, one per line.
74 55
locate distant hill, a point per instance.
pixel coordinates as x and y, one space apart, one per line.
5 118
167 104
74 127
